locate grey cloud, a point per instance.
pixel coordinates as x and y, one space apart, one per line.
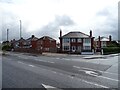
113 28
52 28
14 32
104 12
109 26
11 22
6 1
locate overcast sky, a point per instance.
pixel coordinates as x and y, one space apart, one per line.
47 17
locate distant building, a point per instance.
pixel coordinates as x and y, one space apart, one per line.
32 42
76 42
25 45
103 41
47 44
21 43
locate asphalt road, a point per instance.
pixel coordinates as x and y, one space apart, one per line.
26 71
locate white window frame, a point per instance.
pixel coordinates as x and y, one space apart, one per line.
79 40
66 48
73 48
73 40
87 47
87 40
66 40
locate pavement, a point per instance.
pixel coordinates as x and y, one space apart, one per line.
77 55
71 55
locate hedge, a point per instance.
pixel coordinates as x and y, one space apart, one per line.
6 47
111 50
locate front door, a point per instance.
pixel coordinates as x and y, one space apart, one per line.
79 49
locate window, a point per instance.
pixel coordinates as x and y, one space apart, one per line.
66 40
87 47
17 45
79 40
46 49
103 44
73 48
66 48
73 40
87 40
24 43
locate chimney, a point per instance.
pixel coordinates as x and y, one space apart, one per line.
99 38
110 38
21 37
33 36
60 33
90 33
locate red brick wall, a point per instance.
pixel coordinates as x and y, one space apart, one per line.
92 43
47 44
34 44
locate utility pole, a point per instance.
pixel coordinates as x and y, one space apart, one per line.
7 33
20 29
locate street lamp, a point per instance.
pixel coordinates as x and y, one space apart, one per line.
7 33
20 28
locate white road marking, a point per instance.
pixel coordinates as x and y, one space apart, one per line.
95 84
48 86
71 77
95 70
50 62
21 62
25 57
54 72
95 74
44 61
108 78
60 74
57 58
31 65
91 73
66 59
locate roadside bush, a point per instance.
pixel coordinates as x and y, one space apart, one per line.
111 50
6 48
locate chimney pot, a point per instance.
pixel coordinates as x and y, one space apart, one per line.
110 37
33 36
90 33
60 33
99 38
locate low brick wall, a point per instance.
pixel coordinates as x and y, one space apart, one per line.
27 50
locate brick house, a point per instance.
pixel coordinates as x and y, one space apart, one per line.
32 42
29 45
47 44
76 42
103 41
21 43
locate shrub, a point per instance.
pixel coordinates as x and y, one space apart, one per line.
6 48
111 50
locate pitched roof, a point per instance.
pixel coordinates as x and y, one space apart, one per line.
102 39
32 38
47 37
75 35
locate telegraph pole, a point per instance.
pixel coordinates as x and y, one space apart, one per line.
7 33
20 29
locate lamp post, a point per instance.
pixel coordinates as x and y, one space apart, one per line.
20 29
7 33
